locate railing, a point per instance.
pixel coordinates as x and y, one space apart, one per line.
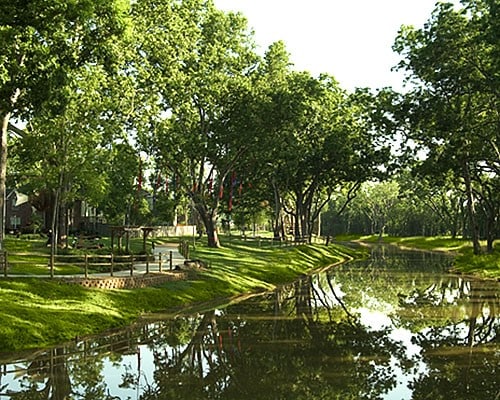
35 264
281 242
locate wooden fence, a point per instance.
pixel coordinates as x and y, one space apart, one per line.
12 264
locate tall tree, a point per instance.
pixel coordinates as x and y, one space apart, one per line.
42 41
378 201
453 110
66 152
122 171
326 142
195 62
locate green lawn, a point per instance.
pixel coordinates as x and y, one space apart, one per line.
40 312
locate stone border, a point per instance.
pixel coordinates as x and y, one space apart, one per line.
127 282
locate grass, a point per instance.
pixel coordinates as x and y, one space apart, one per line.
484 265
40 312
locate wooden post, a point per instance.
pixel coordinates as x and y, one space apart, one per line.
5 263
159 262
51 264
187 251
131 265
170 260
147 264
112 264
194 236
86 266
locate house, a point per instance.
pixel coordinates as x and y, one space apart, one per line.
20 215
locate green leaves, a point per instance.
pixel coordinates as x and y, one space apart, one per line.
44 41
453 110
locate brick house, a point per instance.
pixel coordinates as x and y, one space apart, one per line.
20 215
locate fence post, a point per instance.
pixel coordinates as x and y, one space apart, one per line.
86 266
5 263
51 264
170 260
112 264
131 265
147 263
159 262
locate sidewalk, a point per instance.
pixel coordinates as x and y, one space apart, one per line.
141 268
154 266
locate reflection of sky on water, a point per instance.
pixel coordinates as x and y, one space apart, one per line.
113 371
12 376
376 316
378 320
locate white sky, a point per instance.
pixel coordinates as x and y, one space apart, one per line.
349 39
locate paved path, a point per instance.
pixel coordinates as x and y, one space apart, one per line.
140 268
163 250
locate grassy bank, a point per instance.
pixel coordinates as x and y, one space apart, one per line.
465 262
41 312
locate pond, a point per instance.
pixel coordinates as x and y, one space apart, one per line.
394 327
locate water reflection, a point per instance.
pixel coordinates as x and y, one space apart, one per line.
394 327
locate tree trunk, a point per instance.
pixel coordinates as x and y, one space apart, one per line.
53 233
299 217
213 238
490 233
277 220
5 116
471 210
210 223
3 174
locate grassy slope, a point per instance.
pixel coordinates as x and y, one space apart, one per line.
37 313
485 266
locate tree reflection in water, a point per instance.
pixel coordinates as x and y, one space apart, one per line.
308 340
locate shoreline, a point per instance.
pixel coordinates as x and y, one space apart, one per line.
37 314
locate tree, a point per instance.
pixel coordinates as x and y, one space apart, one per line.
452 111
438 203
377 202
195 62
324 142
42 43
66 152
122 168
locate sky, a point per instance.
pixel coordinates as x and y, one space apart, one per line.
349 39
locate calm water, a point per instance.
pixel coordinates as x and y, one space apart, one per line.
396 327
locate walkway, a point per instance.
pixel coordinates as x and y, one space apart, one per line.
143 274
140 268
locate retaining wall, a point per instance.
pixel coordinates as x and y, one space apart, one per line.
127 282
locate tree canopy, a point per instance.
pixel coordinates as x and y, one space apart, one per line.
143 108
452 112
